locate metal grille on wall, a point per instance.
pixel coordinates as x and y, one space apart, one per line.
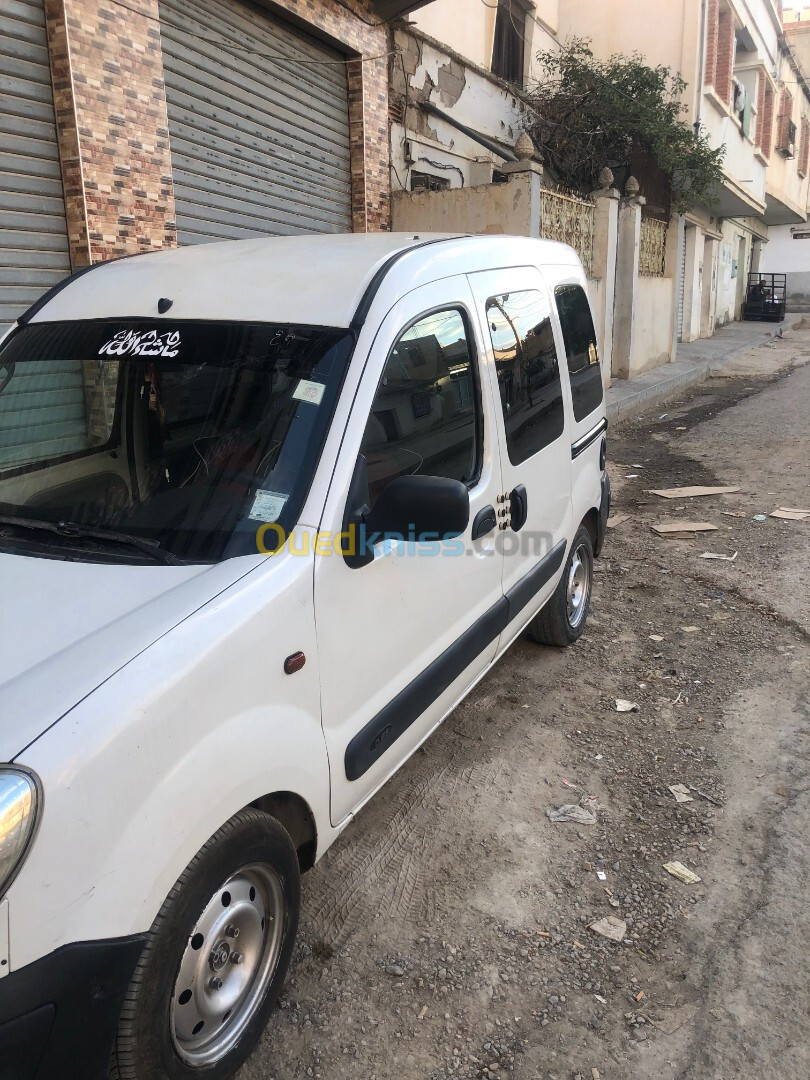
653 247
568 219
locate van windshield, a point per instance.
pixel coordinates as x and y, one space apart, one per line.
186 436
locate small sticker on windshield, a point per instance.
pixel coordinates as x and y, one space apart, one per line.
309 391
267 506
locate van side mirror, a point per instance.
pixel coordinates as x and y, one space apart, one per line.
416 505
410 506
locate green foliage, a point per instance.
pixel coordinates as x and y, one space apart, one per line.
588 113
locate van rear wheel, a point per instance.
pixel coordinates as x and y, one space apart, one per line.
562 620
215 958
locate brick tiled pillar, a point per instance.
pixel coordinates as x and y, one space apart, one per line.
112 122
725 55
107 69
712 31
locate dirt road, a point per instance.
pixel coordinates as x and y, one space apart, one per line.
447 933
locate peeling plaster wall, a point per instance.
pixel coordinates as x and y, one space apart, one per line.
424 72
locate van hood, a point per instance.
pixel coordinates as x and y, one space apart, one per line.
66 627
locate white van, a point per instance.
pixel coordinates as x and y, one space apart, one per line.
268 510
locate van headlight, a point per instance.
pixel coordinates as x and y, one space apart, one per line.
19 810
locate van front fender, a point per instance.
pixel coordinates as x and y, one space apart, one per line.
138 830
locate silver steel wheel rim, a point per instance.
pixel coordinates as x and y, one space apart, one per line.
579 586
228 962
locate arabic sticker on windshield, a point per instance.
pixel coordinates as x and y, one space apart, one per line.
150 343
309 391
267 506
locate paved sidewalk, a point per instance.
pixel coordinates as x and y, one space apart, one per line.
694 362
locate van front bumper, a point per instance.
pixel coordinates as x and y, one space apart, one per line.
58 1016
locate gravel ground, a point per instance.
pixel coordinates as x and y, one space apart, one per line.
447 933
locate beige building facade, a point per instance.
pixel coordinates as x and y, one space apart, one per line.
747 93
788 249
456 113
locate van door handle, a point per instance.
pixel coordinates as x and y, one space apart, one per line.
518 507
484 522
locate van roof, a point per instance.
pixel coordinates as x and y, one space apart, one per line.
312 279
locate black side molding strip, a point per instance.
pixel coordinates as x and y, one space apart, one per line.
46 298
588 438
373 288
530 584
396 717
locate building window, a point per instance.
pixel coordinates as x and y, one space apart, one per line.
785 128
804 147
422 181
509 52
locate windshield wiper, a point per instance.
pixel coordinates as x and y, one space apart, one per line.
80 532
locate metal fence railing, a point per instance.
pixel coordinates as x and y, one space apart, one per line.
652 257
568 219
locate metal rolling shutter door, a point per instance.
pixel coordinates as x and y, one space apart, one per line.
33 238
33 232
682 290
259 146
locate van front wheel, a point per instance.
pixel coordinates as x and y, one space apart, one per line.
215 958
562 620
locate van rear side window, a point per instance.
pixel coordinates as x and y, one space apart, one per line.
580 345
528 371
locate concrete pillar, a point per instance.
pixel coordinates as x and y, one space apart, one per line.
628 249
711 254
603 270
532 173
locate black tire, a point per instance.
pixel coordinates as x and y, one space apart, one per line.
553 624
146 1047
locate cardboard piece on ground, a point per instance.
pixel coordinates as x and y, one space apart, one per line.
717 555
792 510
683 873
617 519
693 492
791 515
665 527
